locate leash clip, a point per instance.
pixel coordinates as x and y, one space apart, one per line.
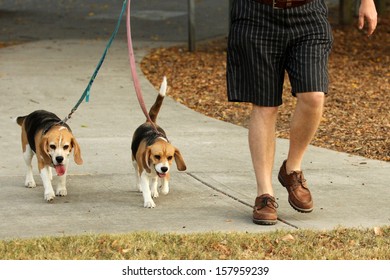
65 119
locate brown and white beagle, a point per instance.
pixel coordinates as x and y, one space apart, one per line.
44 134
153 155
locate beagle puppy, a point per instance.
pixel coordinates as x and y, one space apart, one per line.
153 155
44 134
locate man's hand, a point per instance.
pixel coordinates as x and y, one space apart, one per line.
368 14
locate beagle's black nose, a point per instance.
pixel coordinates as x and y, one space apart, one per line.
59 159
164 169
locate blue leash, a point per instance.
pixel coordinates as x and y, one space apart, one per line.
87 90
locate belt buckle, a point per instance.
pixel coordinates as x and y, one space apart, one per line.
274 5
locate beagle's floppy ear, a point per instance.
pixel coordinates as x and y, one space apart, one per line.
181 166
145 159
77 152
43 150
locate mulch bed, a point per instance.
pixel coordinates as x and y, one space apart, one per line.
356 118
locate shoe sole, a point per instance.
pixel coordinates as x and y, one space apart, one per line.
300 210
265 222
292 204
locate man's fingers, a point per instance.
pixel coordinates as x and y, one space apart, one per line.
371 25
361 22
368 22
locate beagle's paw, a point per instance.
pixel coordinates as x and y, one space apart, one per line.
61 192
49 197
165 189
149 204
30 184
136 187
154 193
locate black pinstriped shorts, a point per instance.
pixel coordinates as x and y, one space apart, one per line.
264 42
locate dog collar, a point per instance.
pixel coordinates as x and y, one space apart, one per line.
51 124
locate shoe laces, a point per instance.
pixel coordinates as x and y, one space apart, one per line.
299 178
265 201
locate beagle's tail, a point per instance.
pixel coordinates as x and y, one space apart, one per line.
153 112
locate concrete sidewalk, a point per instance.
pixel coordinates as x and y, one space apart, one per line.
214 194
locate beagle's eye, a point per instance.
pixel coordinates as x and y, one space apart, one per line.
53 147
157 157
66 147
170 157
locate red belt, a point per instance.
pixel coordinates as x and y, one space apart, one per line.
284 4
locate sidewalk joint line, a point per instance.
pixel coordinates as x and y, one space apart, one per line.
234 198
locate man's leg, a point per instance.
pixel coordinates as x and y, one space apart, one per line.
307 117
304 124
262 146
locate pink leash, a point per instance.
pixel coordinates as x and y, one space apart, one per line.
133 67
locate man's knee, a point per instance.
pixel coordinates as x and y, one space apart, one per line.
313 99
264 111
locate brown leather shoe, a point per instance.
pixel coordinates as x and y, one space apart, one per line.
264 211
299 195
